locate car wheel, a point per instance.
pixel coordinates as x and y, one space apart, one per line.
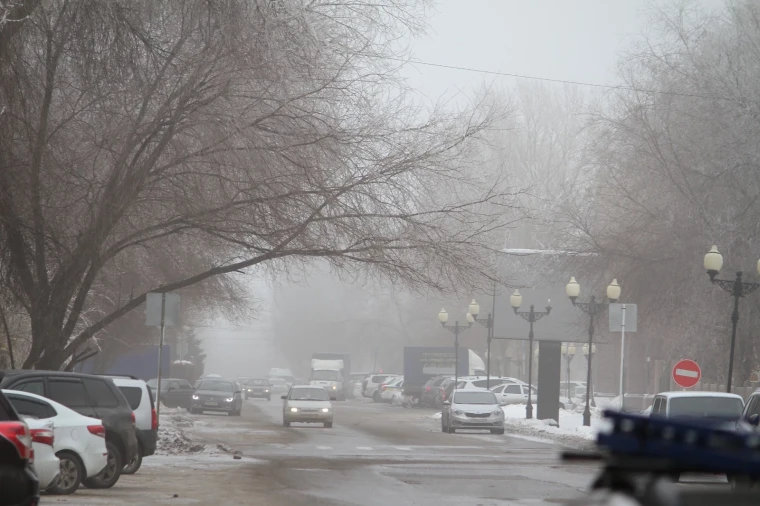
134 464
328 425
71 474
285 424
108 477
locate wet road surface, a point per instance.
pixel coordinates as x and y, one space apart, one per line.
378 455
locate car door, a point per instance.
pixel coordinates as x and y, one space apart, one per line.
513 394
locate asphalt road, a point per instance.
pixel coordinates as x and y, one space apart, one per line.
379 455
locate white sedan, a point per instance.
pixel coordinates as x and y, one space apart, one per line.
79 441
46 463
514 393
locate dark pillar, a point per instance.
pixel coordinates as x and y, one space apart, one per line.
549 370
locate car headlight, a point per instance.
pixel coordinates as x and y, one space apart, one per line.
325 410
334 387
294 410
195 397
458 412
266 391
229 399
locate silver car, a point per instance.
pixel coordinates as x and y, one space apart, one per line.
472 409
307 404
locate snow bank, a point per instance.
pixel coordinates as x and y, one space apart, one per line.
571 428
172 439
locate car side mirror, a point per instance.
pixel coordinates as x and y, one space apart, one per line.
333 398
283 397
754 420
446 403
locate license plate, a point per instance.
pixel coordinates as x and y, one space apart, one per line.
212 403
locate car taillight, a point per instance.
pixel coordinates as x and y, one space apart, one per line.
132 417
427 389
383 387
43 436
97 430
19 435
153 419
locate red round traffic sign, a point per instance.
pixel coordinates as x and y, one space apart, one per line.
686 373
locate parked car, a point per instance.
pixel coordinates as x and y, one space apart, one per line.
430 392
470 382
373 382
46 464
514 393
18 479
92 396
389 389
79 441
258 387
712 406
307 404
217 395
175 392
472 409
138 395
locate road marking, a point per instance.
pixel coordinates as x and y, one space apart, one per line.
403 448
364 448
687 373
324 447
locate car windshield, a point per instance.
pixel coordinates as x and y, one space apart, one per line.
308 394
324 375
706 407
216 386
259 382
474 398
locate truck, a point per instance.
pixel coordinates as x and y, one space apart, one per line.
424 362
332 370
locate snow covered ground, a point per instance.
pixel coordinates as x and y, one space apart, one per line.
172 439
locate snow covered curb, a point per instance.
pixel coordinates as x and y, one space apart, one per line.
172 439
570 431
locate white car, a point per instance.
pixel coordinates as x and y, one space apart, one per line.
388 390
46 463
307 404
373 382
472 409
474 382
514 393
79 441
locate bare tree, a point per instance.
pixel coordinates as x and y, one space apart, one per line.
218 136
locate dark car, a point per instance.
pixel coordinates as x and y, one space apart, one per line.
444 391
430 392
255 387
88 395
19 485
175 393
217 395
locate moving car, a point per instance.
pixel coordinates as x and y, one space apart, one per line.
92 396
279 385
18 480
79 441
472 409
175 392
388 390
258 387
307 404
217 395
46 464
711 406
139 397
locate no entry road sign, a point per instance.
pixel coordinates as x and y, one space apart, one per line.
686 373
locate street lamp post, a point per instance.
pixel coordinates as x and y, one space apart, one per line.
443 317
531 316
487 322
568 352
591 308
589 353
737 288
